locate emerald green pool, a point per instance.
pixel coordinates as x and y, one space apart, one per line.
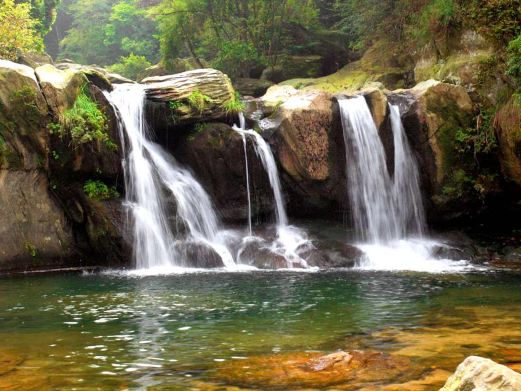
96 331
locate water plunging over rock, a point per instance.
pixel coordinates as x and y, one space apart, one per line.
290 241
387 209
149 171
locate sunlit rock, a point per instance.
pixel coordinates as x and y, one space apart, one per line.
482 374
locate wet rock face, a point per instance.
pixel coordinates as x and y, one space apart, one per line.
215 153
478 373
508 130
432 113
309 145
46 219
34 231
348 370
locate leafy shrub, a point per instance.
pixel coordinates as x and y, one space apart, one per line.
497 19
480 139
97 190
434 19
18 30
85 122
131 66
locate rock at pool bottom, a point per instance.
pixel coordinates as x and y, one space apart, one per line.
350 370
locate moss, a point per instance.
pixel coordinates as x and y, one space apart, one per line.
24 101
31 250
199 101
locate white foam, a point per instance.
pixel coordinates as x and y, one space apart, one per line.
409 255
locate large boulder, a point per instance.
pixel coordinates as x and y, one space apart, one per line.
308 142
191 96
46 217
252 87
508 130
432 114
457 60
60 87
34 231
482 374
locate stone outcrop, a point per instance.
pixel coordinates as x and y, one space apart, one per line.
252 87
306 134
508 130
192 96
46 219
432 114
34 231
23 118
480 374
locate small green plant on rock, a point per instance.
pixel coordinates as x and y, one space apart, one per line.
199 101
480 139
85 122
97 190
234 105
31 249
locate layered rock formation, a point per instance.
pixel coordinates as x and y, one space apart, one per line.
47 219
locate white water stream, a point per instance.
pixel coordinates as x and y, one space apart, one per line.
290 239
387 209
153 177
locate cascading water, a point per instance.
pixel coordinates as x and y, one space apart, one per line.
290 239
149 172
387 210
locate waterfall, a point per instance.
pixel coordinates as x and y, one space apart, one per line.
149 173
290 239
406 187
387 210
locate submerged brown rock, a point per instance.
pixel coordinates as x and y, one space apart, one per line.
313 370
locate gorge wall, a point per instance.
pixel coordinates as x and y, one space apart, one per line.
61 181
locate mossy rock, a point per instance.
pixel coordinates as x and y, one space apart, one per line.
23 118
508 129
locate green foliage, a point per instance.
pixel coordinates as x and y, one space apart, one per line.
198 101
514 60
31 249
24 102
85 122
480 139
433 20
97 190
45 12
496 19
131 66
104 30
237 58
235 105
201 28
18 30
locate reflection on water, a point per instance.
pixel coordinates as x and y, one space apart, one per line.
110 332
